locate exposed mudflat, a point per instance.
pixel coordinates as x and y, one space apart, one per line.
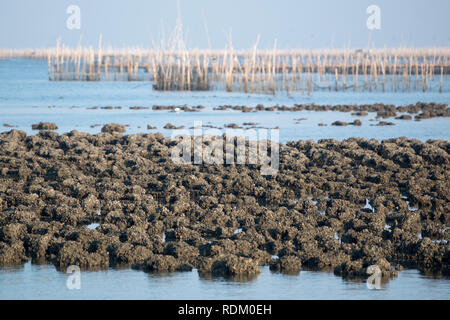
108 200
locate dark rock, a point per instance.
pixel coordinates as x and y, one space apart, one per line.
44 126
339 123
113 128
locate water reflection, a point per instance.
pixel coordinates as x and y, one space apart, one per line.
236 278
31 281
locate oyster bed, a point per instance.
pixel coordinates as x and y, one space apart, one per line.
109 200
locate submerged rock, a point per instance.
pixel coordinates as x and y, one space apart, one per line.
287 264
360 113
404 117
385 123
113 127
339 123
231 265
44 126
171 126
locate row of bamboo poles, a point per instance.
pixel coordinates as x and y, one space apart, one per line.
253 70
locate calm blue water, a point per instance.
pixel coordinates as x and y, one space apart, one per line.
27 97
44 282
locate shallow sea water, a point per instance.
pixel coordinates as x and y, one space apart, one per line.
45 282
27 97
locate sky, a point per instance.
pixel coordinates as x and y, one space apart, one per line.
206 23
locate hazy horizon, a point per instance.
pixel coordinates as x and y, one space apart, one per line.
295 24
